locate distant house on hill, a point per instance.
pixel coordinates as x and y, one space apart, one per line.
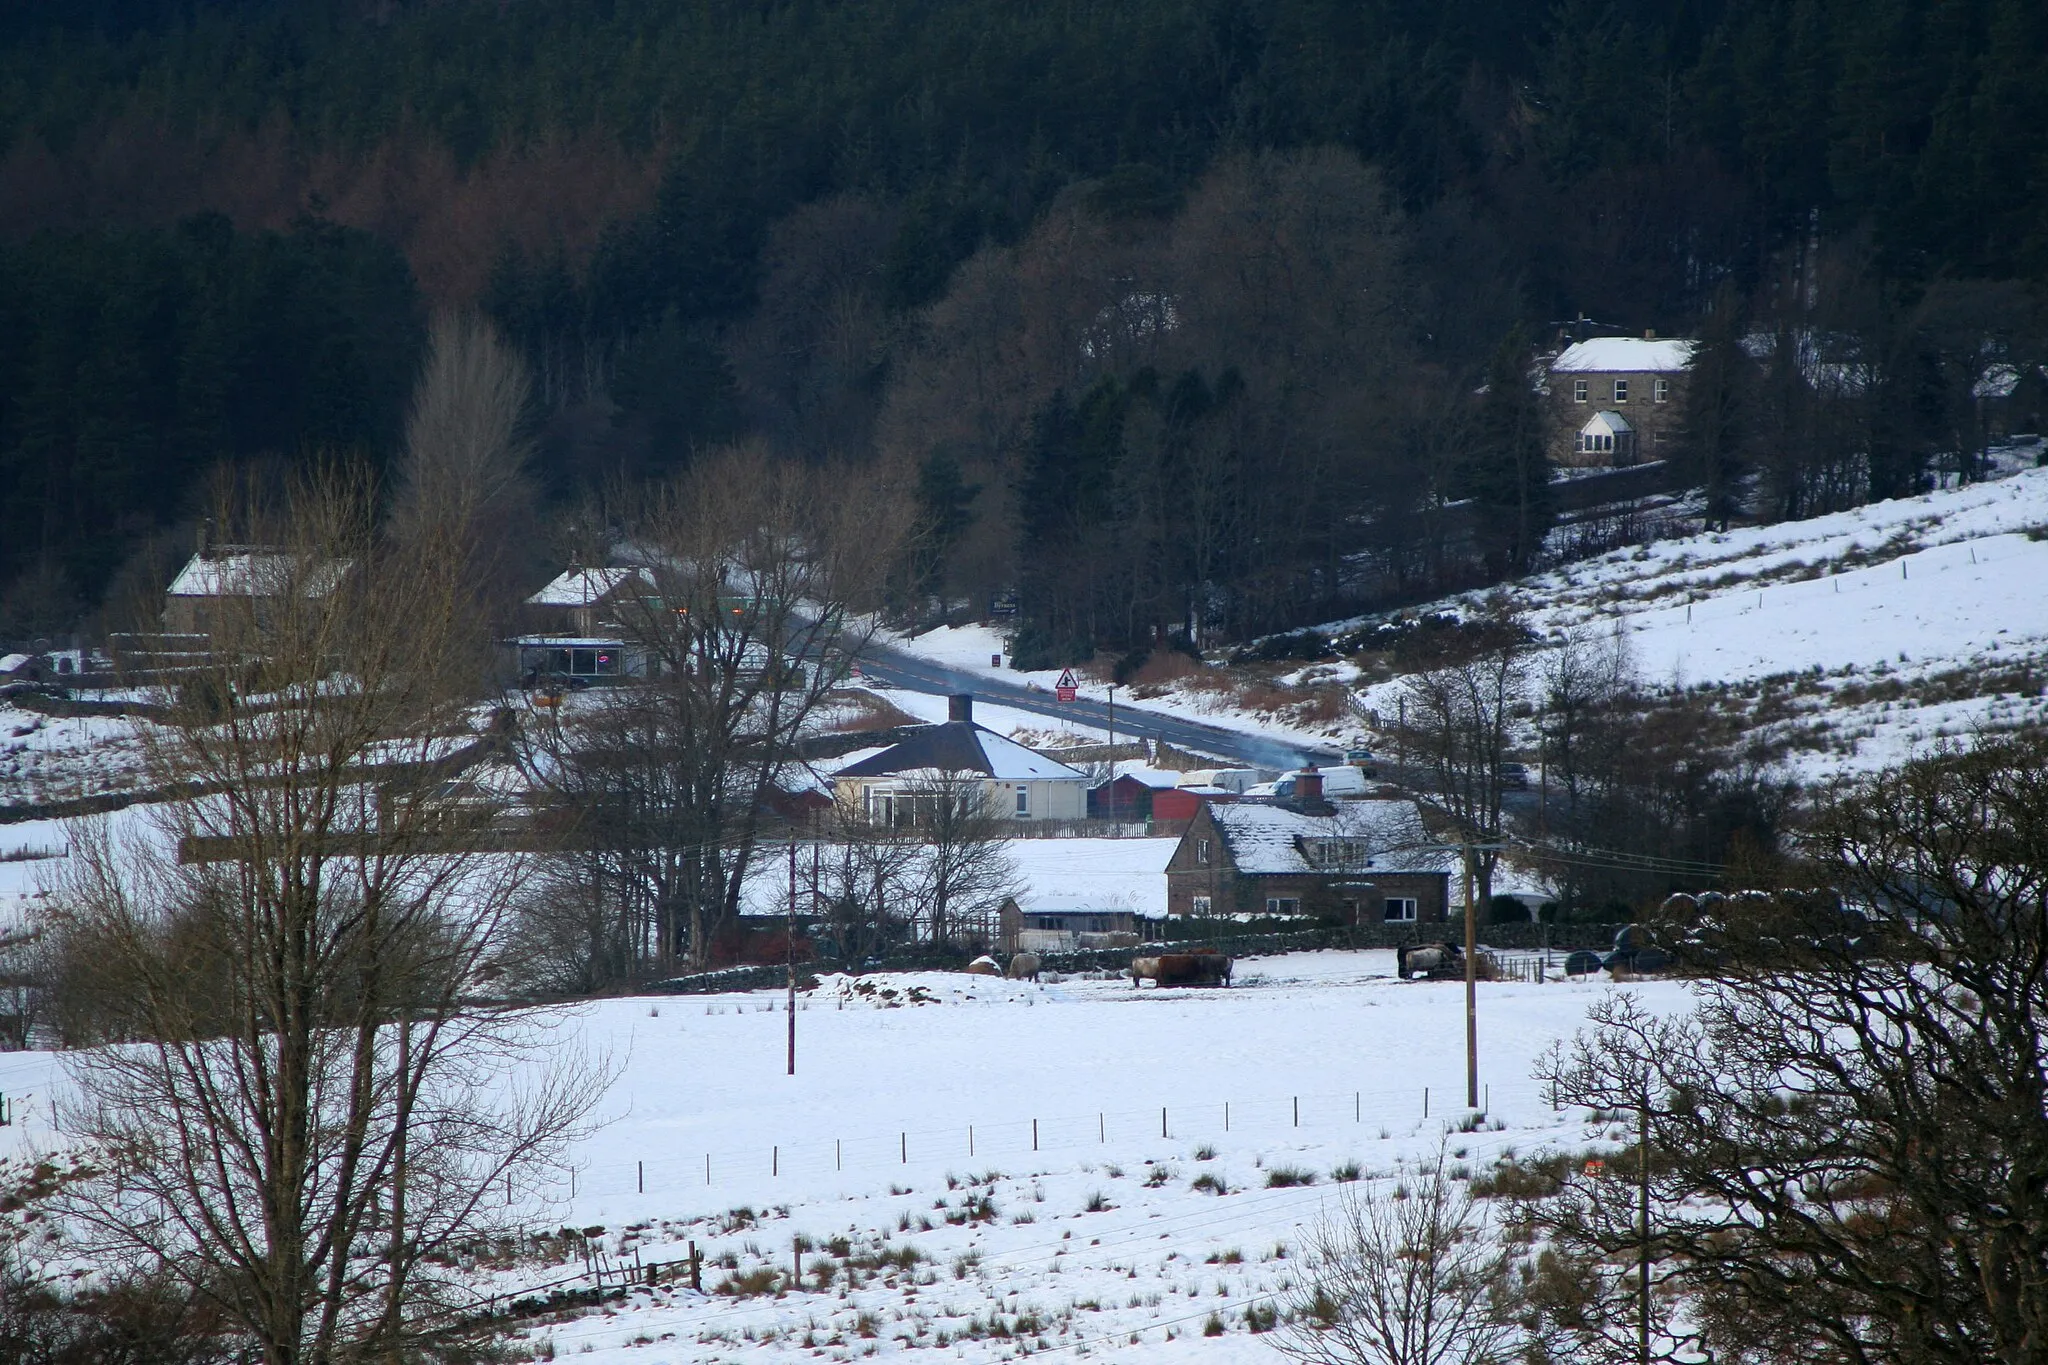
1015 781
233 577
1626 393
1373 863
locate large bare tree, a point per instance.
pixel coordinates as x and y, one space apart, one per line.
1849 1134
297 1113
757 575
1460 718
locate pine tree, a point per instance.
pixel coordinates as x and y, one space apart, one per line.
1505 472
1711 435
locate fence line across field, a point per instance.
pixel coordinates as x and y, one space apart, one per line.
1248 1209
965 1145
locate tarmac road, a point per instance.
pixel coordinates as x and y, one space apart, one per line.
893 668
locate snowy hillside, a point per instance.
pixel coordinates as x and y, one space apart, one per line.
1873 633
1882 630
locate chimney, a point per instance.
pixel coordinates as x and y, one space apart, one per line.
1649 334
1308 788
960 707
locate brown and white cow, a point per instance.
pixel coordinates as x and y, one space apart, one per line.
1202 967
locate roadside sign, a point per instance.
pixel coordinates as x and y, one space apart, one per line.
1067 689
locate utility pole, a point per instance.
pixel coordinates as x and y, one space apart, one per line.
1468 850
1643 1213
1471 988
789 938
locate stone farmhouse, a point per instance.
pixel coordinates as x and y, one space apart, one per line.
1364 862
1616 401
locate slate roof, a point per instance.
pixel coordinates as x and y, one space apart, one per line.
1266 841
963 747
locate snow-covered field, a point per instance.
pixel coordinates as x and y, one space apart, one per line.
1098 1239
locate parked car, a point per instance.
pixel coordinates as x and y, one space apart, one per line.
1339 784
1514 777
1362 760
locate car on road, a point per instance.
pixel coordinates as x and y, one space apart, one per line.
1514 777
1362 760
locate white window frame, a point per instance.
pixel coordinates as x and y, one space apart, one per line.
1400 910
1201 905
1621 390
1283 905
1023 802
1660 390
1202 852
1581 391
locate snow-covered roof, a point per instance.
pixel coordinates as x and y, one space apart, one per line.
1613 423
1624 355
254 574
2000 380
1273 841
962 747
10 663
583 587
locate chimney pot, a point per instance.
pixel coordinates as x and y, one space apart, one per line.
960 707
1649 334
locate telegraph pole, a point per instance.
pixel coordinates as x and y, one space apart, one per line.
1471 988
789 938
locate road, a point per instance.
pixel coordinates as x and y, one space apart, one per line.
893 668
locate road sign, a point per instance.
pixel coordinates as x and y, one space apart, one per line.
1067 689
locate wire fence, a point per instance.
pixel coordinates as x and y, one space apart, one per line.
956 1145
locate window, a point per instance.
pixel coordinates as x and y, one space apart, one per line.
1023 803
1283 905
1660 391
1400 908
1199 906
1580 391
1621 390
1202 852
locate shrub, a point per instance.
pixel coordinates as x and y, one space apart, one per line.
1281 1177
1209 1183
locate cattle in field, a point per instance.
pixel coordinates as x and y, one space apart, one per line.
1437 961
1203 967
1024 967
984 966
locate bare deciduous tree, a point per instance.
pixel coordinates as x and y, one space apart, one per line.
304 1120
757 574
1415 1277
1850 1154
962 870
1459 717
463 478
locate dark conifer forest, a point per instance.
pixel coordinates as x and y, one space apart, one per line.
1171 315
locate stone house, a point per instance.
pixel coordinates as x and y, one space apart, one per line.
236 578
1366 862
1617 400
